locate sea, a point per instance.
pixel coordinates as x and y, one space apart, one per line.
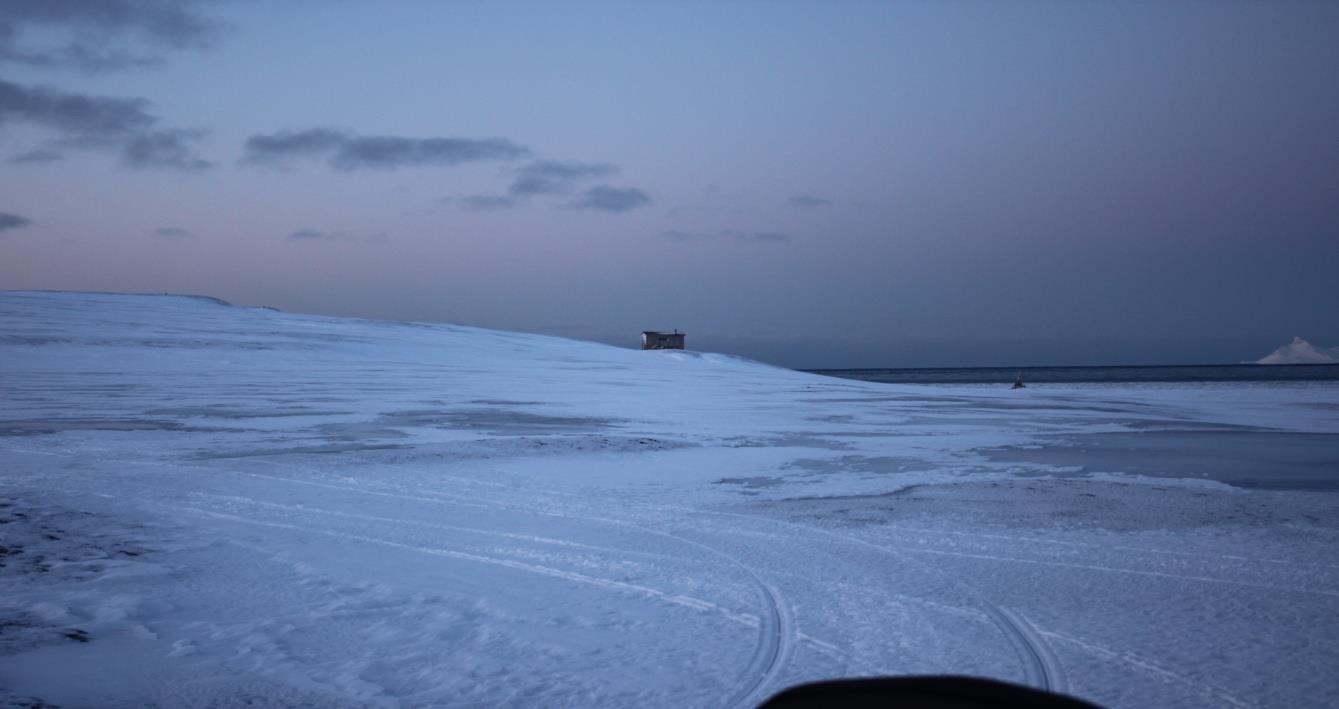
1095 375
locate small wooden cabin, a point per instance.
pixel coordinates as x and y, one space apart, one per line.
652 340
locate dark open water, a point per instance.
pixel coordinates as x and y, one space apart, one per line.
1075 375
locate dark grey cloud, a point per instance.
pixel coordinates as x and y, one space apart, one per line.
82 121
81 117
292 144
389 152
100 35
611 199
345 150
39 155
12 221
808 201
556 177
772 237
172 233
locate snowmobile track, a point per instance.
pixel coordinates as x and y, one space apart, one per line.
1041 666
777 633
776 643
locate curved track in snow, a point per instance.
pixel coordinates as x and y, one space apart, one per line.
776 642
777 635
1041 667
1039 660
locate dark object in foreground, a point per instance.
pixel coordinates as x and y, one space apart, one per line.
946 692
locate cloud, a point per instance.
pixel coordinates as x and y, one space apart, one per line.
290 144
81 117
172 233
12 221
100 35
389 152
483 202
85 121
39 155
611 199
164 148
770 237
348 151
316 235
553 177
556 177
806 201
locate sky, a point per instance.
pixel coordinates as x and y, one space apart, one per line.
813 184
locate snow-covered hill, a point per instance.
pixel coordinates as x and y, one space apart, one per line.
1300 351
207 505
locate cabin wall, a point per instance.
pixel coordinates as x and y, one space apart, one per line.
662 341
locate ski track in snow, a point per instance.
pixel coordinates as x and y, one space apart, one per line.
1213 694
609 584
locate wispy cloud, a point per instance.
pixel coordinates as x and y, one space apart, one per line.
172 233
165 148
482 202
611 199
556 177
344 150
100 35
318 235
10 222
806 201
83 121
39 155
542 178
768 237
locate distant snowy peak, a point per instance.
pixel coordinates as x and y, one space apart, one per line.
1300 351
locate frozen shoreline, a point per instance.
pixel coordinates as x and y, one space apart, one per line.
251 505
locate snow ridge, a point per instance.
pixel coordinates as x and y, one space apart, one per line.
1300 351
